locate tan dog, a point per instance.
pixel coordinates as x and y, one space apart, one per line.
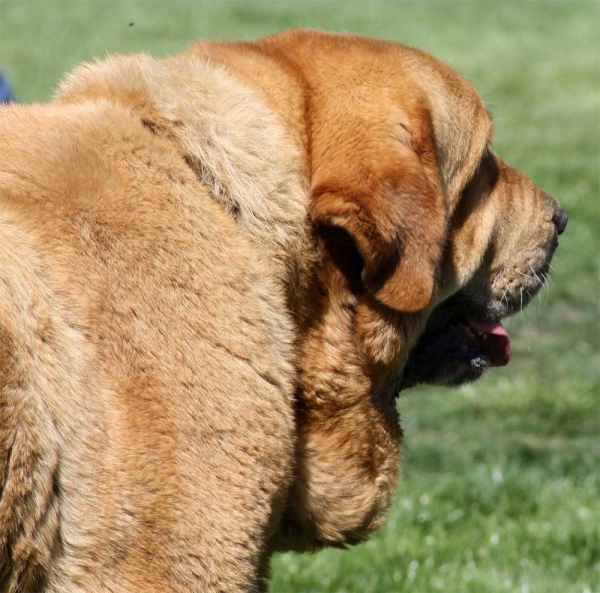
177 237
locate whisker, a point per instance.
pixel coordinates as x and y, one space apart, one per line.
547 287
536 309
525 325
535 274
524 275
521 307
539 294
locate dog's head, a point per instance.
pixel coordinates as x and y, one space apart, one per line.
426 238
423 219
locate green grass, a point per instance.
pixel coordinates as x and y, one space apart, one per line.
500 487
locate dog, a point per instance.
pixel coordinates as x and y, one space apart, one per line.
217 270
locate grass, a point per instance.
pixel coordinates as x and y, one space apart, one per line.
500 485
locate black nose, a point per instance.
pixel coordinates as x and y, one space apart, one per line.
560 219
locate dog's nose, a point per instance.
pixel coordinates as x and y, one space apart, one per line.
560 219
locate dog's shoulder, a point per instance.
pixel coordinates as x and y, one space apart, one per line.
137 327
228 134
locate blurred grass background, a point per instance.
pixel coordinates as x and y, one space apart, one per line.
500 484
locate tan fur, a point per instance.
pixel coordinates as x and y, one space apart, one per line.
187 242
125 393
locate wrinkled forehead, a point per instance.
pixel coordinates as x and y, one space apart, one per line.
461 122
463 131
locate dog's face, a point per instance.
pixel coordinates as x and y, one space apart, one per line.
502 237
426 222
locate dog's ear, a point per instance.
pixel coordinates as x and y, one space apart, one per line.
395 216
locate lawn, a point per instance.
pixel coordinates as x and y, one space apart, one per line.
500 484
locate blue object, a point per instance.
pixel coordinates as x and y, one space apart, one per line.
6 94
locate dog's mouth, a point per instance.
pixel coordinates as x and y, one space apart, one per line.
456 349
492 341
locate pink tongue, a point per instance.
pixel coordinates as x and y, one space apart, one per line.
497 346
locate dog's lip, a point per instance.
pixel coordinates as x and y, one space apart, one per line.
495 341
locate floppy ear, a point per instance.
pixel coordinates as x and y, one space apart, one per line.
396 217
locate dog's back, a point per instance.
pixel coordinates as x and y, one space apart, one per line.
145 382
